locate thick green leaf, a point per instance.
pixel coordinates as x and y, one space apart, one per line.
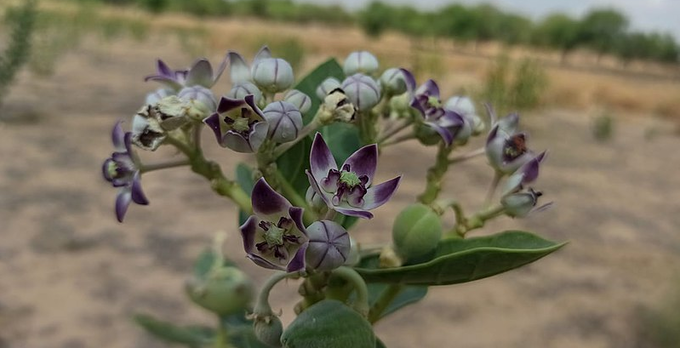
464 260
244 178
410 294
191 336
379 343
342 138
293 164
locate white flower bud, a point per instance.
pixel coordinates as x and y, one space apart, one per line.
362 91
326 87
392 81
301 101
155 96
273 75
360 62
243 89
285 121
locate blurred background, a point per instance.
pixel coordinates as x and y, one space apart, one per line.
597 83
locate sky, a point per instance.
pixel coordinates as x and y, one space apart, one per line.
646 15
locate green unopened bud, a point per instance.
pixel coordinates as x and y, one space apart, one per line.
268 330
416 231
392 81
273 75
224 291
329 324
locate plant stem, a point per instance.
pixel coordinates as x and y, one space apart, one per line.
262 307
435 174
386 297
398 140
467 156
145 168
475 221
350 275
222 339
492 188
297 200
388 133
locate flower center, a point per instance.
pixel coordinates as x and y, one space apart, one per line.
112 169
434 102
241 125
277 237
350 179
347 186
514 147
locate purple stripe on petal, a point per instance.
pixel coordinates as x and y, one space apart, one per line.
364 161
220 69
326 197
492 135
267 202
213 121
296 214
250 100
443 132
248 230
429 88
321 159
409 80
360 213
530 170
201 73
170 82
297 263
263 262
163 69
117 136
227 104
379 194
122 203
138 195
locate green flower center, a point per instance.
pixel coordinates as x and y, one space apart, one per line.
240 124
112 169
434 102
274 235
349 178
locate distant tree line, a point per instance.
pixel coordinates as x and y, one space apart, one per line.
604 31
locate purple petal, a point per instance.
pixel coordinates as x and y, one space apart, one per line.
409 80
297 263
268 203
296 214
122 203
220 69
450 119
228 104
248 230
315 186
201 73
168 81
416 105
321 159
360 213
250 100
213 121
238 69
118 136
260 261
164 70
429 88
236 142
363 161
127 142
530 169
492 135
442 131
379 194
138 195
258 135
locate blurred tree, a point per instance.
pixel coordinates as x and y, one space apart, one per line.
375 18
558 31
601 29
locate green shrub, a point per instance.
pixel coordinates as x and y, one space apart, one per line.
514 86
603 127
21 22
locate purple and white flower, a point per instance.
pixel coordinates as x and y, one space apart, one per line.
349 190
425 99
200 73
518 200
122 172
506 148
274 237
238 124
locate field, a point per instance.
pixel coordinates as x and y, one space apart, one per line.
71 276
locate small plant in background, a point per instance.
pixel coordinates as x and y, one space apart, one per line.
515 86
316 146
21 24
603 126
657 324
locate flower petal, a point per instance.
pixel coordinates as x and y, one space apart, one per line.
220 69
363 162
297 263
314 184
213 121
442 131
296 213
201 73
379 194
409 80
172 83
262 262
118 136
267 203
263 53
138 195
238 69
122 203
163 69
349 211
228 104
429 88
236 142
248 230
321 159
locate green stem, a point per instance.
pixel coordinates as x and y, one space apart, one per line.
398 140
297 200
393 131
306 130
492 187
350 275
386 297
145 168
475 221
467 156
435 174
222 339
262 307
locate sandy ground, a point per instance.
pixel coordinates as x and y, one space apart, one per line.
71 276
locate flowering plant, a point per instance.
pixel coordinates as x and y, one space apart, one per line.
316 146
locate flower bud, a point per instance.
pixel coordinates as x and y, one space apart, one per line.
284 119
155 96
200 102
273 75
225 291
329 245
318 326
336 107
416 231
314 200
327 86
301 101
360 62
268 330
392 81
243 89
362 91
520 204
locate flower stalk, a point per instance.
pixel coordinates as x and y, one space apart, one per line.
351 276
435 175
386 297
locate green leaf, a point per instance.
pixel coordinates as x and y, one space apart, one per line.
191 336
205 261
464 260
244 178
342 138
244 337
408 295
293 163
309 83
379 343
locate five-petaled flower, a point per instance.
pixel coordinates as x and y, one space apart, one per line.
506 148
518 199
426 100
274 237
348 190
238 124
199 74
122 172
